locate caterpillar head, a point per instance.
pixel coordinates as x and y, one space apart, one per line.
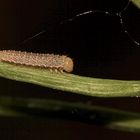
68 64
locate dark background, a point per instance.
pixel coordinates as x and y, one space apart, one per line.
96 42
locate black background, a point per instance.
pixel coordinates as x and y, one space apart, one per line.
96 42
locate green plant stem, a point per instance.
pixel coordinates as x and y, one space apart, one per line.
101 116
72 83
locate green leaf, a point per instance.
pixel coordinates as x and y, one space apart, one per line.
136 2
100 116
69 82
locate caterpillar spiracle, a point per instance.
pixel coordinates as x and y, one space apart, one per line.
49 61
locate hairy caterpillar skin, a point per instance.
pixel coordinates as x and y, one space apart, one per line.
50 61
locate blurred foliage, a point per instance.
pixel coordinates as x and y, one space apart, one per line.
81 112
136 2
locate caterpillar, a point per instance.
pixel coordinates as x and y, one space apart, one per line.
50 61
